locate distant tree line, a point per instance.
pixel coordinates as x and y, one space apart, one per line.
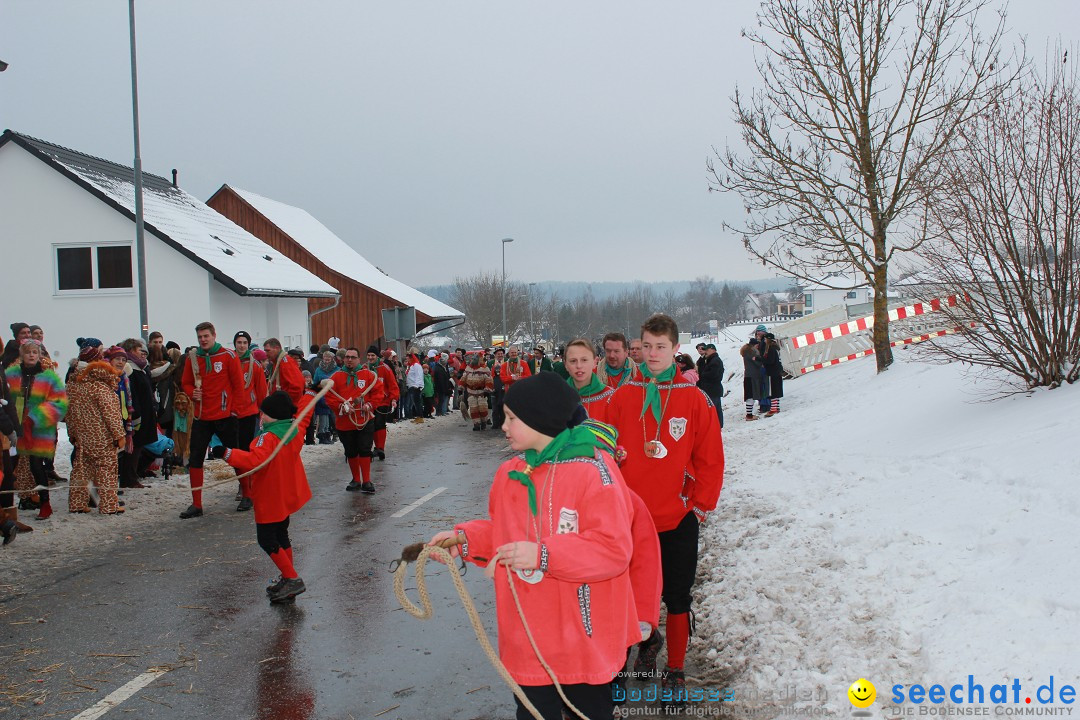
534 316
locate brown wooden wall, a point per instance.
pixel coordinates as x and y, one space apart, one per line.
357 319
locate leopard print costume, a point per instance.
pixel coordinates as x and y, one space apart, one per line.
96 428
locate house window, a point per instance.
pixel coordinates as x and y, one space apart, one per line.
808 300
86 268
852 295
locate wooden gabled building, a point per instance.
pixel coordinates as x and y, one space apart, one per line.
365 289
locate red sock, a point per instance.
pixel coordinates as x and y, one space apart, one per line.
678 636
354 468
380 439
288 552
365 467
196 479
284 564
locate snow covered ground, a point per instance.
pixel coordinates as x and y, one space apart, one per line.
900 528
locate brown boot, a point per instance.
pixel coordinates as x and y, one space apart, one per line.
7 526
13 513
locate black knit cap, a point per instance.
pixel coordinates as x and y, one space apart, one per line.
242 334
374 350
278 405
545 402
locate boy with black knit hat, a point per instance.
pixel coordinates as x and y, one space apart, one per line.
560 520
675 462
279 489
384 399
246 403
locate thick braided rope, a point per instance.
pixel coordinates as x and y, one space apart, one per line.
425 612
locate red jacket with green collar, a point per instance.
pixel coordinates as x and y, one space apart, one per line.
689 478
222 384
582 612
252 388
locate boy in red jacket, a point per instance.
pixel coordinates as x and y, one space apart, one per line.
214 382
277 490
286 374
385 397
247 403
355 387
675 462
560 520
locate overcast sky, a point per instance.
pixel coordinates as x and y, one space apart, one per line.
424 132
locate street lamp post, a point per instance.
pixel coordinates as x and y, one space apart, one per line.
532 328
504 241
140 247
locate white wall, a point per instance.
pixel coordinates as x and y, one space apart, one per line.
39 207
825 298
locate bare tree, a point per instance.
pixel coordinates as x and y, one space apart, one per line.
480 298
859 98
1008 227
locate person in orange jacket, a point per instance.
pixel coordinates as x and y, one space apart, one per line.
214 382
352 399
247 404
286 373
279 489
560 519
385 397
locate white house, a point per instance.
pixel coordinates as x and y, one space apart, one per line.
67 237
836 289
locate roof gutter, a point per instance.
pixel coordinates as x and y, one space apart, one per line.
337 301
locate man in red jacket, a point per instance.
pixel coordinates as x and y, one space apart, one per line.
351 401
675 462
513 369
384 398
279 489
286 374
214 382
247 403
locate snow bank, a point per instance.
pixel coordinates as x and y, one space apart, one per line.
900 528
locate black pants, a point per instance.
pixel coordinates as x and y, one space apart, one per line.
382 414
245 431
129 467
227 430
37 471
592 700
357 443
7 497
678 563
273 536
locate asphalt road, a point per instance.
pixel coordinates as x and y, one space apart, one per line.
189 598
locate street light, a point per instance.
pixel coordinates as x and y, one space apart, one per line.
532 328
140 247
504 241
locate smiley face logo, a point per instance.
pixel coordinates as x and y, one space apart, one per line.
862 693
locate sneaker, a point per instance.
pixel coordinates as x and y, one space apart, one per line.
645 663
751 417
8 530
239 496
275 585
368 487
673 686
245 505
287 591
191 512
476 426
353 486
379 453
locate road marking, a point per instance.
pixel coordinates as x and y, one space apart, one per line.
119 695
409 508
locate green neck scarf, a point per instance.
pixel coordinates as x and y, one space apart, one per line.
278 428
594 386
246 355
652 390
373 367
575 442
350 375
616 372
207 353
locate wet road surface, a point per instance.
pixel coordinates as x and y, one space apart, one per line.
189 598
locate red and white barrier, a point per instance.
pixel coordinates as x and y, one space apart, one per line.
867 323
864 353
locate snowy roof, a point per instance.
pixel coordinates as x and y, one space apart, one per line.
838 281
235 257
339 256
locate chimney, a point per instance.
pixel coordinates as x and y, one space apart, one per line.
174 177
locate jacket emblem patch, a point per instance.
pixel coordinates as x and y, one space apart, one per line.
217 366
677 428
568 521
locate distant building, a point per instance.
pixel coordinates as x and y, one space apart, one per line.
836 289
772 306
67 228
365 289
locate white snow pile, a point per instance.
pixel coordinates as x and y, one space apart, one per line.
901 528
